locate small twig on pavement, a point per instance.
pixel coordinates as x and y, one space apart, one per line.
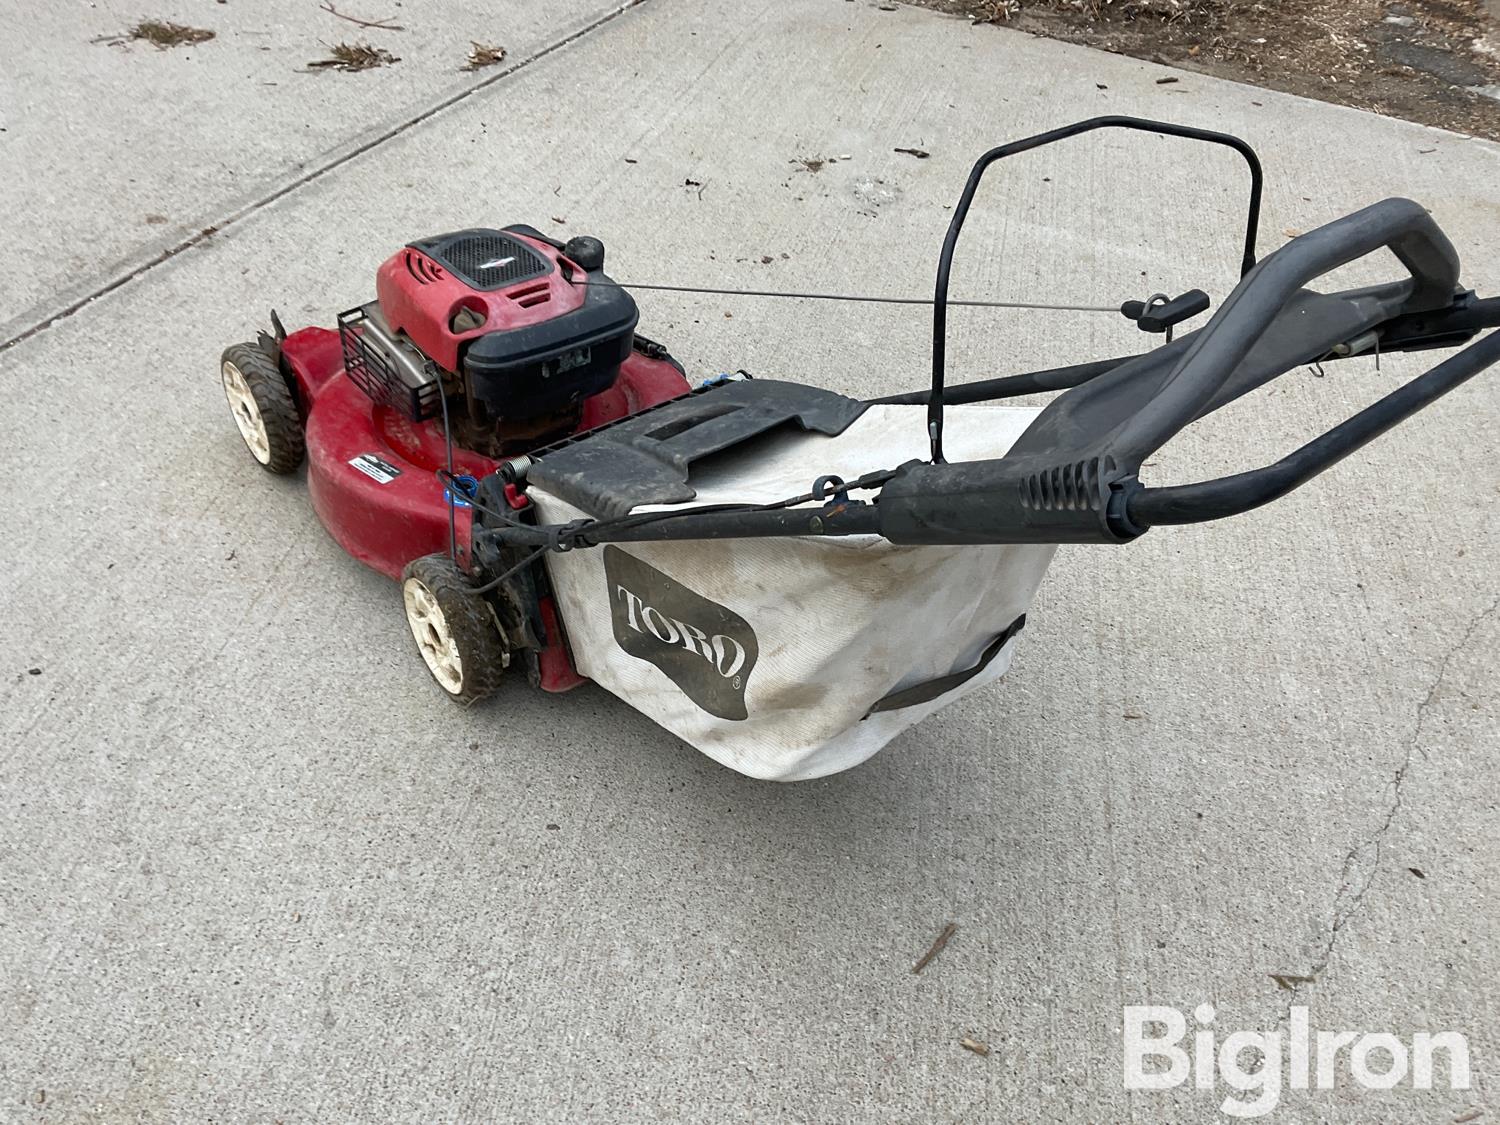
1290 981
383 24
937 947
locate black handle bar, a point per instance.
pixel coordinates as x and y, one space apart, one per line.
1403 226
1229 496
976 174
1073 476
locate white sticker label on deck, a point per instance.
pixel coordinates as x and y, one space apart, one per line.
376 469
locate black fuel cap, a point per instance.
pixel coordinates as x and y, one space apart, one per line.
586 250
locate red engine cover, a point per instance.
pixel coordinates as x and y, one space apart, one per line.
421 297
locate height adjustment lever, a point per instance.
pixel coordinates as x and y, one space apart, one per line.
1159 313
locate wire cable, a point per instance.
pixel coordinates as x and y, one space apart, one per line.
853 297
451 486
495 582
569 537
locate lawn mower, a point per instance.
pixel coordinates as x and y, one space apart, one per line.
783 576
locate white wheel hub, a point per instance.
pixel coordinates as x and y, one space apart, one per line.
246 413
430 628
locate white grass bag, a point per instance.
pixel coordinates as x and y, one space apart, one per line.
793 658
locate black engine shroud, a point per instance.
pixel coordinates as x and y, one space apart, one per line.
549 367
538 370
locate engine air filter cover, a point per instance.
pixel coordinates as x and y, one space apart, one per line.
485 259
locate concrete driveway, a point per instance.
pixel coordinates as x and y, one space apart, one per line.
254 868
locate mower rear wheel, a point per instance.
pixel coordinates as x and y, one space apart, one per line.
263 408
454 629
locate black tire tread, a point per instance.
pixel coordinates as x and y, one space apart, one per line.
481 649
278 409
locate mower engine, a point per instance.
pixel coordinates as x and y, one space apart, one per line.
480 345
514 329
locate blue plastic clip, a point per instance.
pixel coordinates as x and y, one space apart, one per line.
466 489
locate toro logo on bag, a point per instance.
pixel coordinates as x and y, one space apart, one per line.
705 649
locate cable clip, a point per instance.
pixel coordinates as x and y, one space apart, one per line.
823 484
459 489
555 534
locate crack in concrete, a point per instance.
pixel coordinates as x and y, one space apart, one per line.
321 170
1362 861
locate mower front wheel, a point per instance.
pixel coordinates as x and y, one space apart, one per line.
263 408
454 629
